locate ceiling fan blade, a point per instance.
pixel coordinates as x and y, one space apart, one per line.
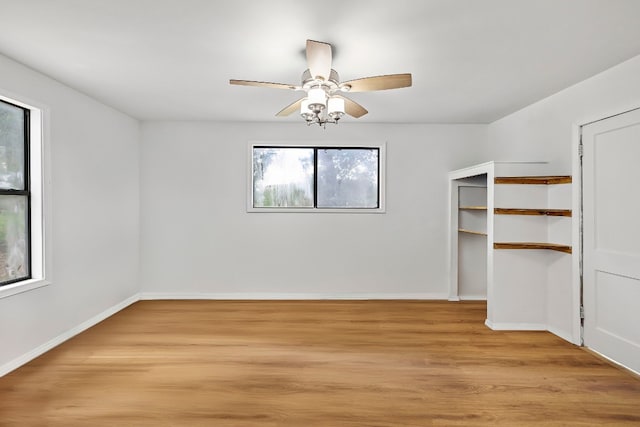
352 108
368 84
319 59
263 84
290 109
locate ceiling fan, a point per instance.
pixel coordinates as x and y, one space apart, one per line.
323 102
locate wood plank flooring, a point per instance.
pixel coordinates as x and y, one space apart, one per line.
315 363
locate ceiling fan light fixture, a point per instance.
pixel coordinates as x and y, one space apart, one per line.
317 99
323 103
335 107
305 111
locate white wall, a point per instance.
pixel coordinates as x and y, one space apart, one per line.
199 241
545 131
94 206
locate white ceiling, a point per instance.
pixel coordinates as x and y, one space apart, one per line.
473 61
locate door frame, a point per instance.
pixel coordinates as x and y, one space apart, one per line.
577 226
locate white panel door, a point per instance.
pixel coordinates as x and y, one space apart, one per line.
611 197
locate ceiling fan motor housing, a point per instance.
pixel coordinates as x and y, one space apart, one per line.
330 86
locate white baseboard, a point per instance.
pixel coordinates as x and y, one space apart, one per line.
529 327
564 335
515 326
290 296
473 297
29 356
633 371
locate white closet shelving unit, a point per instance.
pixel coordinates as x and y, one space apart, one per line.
469 196
509 221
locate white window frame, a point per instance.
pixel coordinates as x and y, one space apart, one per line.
40 214
382 155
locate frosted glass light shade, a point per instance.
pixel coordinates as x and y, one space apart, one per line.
305 111
317 96
336 106
304 106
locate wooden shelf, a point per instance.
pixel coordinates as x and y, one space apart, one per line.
532 245
542 212
472 208
544 180
479 233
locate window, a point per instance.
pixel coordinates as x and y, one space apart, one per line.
23 222
15 257
312 178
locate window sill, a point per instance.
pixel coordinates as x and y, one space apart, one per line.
20 287
316 210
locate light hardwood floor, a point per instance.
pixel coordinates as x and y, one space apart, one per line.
315 363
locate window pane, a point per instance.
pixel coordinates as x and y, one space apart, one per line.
282 177
14 260
11 147
348 178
